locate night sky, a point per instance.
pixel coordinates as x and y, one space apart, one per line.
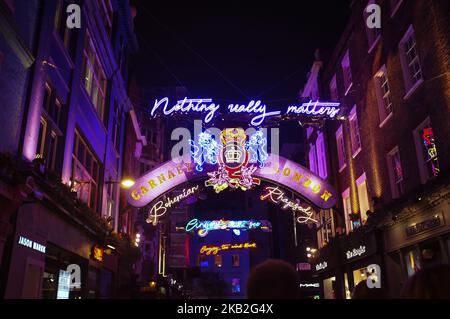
234 50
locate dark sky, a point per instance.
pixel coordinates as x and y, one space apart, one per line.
234 50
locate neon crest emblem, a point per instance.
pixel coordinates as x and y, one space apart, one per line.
234 157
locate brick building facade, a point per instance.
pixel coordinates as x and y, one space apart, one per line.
389 155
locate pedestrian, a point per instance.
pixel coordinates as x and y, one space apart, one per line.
273 279
428 283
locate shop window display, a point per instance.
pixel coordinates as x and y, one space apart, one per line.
329 288
348 293
359 275
412 262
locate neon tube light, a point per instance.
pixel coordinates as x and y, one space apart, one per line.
208 250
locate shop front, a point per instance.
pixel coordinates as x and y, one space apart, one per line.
418 241
56 264
327 272
359 251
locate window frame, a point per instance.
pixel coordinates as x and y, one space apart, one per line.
77 164
382 95
321 157
347 210
347 72
397 187
312 155
408 77
88 50
363 180
341 151
355 134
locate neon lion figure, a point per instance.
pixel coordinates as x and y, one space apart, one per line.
207 150
257 148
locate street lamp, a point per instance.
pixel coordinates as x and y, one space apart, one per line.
125 183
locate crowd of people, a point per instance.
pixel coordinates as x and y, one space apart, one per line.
277 279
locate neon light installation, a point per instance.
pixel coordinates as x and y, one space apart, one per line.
233 157
204 227
431 151
277 196
161 207
256 108
208 250
317 108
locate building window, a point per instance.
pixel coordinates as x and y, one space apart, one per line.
202 261
50 131
218 261
235 261
94 77
111 191
354 132
347 210
412 70
395 5
427 153
309 131
236 285
363 197
334 94
321 156
347 72
312 158
85 173
412 262
373 34
383 95
326 228
395 173
116 127
341 149
107 14
67 35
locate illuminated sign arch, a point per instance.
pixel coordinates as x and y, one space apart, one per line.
277 169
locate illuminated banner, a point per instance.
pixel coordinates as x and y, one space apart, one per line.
208 250
303 214
161 207
279 170
234 157
207 108
204 227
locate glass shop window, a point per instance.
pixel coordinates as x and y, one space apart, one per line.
359 275
329 288
412 262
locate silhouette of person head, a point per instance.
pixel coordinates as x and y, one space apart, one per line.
273 279
362 291
428 283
